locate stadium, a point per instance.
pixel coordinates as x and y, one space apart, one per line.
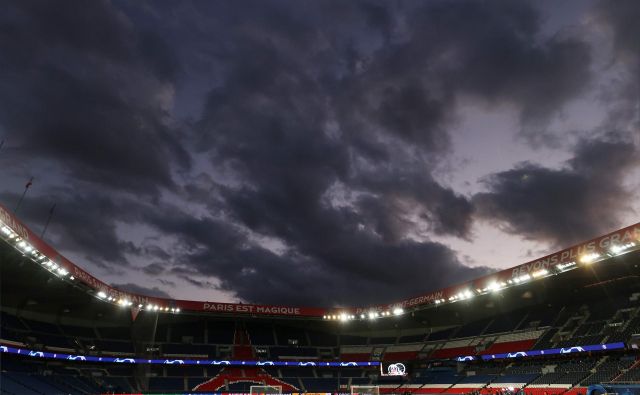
341 197
567 323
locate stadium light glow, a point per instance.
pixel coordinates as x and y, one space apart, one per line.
363 316
563 266
462 295
372 315
22 244
617 249
398 311
6 230
177 310
540 273
62 271
102 295
524 277
589 258
72 278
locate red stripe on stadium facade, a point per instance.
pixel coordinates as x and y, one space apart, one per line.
598 246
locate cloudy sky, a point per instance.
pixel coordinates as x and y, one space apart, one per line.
318 152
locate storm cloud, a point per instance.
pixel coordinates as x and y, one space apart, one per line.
82 89
581 200
276 152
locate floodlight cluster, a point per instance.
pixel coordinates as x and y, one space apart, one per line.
32 253
589 258
565 266
340 317
372 315
540 273
127 303
618 249
462 295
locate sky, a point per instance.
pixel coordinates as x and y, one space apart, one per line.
320 153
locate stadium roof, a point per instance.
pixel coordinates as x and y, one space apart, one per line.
609 258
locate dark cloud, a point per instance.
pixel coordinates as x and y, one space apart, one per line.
351 266
141 290
621 17
154 269
622 94
82 88
311 170
492 52
580 201
335 160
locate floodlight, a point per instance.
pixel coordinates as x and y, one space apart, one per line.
589 258
540 273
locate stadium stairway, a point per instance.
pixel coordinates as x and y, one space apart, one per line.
242 350
636 365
